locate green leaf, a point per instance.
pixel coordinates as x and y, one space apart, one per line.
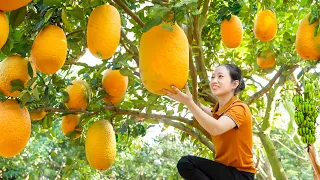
69 161
315 32
287 36
30 69
99 55
77 13
170 112
196 12
67 170
317 29
17 85
180 107
45 122
31 82
35 93
49 121
6 49
102 94
52 2
151 23
82 71
88 94
46 95
289 106
167 27
296 139
116 66
65 96
222 11
236 7
72 135
17 35
2 97
17 16
26 98
158 11
313 15
65 20
306 2
125 72
95 3
39 24
124 128
278 3
48 15
183 136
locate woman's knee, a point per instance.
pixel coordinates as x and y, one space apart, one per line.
184 162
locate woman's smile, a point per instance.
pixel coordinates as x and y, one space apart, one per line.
214 87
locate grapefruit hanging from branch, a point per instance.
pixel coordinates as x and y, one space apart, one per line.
103 31
164 58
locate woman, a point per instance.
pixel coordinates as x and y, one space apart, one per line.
230 126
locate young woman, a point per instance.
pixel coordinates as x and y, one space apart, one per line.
230 126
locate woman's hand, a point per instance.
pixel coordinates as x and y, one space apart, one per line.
179 96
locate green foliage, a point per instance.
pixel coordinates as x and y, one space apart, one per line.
292 155
49 154
226 9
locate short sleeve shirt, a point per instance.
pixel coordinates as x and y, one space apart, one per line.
234 147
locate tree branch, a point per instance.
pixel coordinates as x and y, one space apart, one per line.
193 73
206 6
84 50
196 125
58 174
251 78
208 96
162 118
264 90
190 132
199 4
307 69
272 156
133 47
204 14
156 116
129 12
290 151
312 152
271 105
199 58
125 47
74 32
117 111
78 64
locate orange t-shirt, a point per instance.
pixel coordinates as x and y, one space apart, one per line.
234 147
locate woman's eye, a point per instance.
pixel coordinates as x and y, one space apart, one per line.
220 76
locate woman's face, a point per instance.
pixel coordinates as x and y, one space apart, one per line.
221 83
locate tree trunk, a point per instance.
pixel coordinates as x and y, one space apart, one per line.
278 171
314 162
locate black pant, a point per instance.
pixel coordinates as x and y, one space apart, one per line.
197 168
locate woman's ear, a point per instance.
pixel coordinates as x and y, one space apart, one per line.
235 84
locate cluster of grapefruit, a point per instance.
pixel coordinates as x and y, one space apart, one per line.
265 29
103 36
